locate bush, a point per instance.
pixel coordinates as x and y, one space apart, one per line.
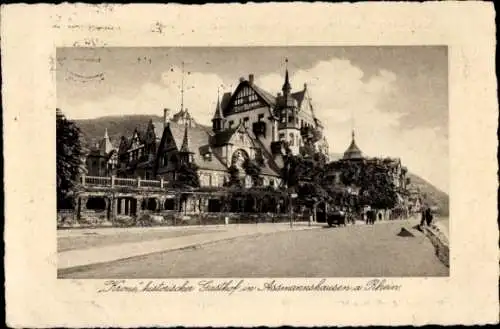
150 220
125 221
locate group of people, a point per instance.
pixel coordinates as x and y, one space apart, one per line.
371 216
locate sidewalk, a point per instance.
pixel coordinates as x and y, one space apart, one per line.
104 254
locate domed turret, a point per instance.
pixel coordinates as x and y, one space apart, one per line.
353 152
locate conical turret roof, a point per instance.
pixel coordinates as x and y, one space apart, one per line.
286 85
105 145
185 141
218 111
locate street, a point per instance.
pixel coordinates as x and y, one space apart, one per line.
352 251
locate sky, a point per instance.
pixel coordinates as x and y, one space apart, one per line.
395 98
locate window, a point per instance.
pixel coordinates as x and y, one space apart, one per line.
292 140
231 123
282 136
261 116
258 155
290 119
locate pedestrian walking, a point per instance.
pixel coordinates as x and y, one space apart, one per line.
422 219
428 216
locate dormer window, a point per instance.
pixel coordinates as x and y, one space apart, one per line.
207 156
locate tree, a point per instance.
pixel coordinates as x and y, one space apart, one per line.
69 158
374 179
304 174
253 170
187 175
234 177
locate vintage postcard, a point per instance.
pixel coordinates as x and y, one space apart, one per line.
332 164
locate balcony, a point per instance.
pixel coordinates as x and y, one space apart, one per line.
95 181
288 125
311 134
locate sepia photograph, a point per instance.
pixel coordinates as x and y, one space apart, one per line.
229 165
192 162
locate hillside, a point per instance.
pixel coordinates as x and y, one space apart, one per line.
436 196
93 131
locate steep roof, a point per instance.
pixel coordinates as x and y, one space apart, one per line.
299 97
198 144
271 164
268 97
223 137
158 129
225 100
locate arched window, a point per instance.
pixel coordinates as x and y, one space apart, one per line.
292 139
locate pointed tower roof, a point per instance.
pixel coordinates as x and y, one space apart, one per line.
105 145
185 141
286 86
353 151
218 111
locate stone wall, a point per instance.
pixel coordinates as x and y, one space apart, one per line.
440 242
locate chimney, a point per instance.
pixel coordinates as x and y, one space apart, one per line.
305 86
250 78
242 79
166 113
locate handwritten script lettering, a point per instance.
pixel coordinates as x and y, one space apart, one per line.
232 286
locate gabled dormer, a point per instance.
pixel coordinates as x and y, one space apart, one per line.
150 135
136 140
124 145
248 96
